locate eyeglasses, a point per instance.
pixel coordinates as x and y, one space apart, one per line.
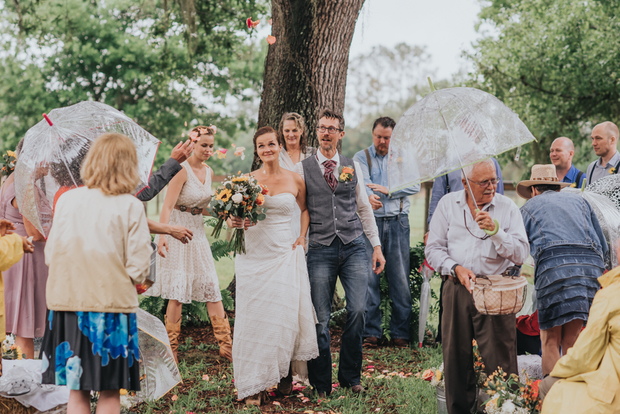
331 130
465 222
485 184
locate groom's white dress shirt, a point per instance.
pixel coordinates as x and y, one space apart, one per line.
364 210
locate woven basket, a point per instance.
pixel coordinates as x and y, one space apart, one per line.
499 295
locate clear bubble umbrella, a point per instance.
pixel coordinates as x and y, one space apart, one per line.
158 371
606 211
425 301
447 130
54 149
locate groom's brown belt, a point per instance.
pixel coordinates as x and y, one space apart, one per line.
193 210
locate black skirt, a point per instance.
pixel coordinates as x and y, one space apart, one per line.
91 351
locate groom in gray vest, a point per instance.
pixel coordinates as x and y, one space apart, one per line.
339 213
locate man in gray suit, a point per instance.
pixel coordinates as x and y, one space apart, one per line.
339 213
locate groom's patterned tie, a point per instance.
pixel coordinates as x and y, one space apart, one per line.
329 176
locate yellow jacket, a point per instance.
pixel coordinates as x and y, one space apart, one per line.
11 252
591 368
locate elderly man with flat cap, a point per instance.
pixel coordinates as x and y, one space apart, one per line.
604 141
474 232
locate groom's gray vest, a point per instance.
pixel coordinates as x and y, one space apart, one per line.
332 213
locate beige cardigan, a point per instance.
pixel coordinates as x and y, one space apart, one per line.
97 250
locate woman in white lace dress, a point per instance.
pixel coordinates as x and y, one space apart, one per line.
274 320
186 272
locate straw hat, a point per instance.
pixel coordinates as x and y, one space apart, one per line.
541 174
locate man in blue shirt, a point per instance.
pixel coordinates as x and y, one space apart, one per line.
392 217
443 185
561 154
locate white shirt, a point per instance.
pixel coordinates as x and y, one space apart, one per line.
449 241
364 210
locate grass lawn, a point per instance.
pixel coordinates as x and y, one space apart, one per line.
388 374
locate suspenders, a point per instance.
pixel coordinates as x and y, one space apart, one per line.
369 161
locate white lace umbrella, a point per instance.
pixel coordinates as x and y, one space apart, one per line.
447 130
54 149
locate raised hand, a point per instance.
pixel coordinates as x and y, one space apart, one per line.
182 151
484 220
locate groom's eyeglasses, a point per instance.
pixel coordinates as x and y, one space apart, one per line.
331 130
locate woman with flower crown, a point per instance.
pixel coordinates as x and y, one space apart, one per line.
275 331
186 272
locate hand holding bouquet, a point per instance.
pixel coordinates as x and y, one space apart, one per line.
239 196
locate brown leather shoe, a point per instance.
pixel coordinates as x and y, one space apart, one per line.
285 386
401 343
358 389
370 342
255 399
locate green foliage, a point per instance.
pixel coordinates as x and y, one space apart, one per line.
162 63
553 63
385 306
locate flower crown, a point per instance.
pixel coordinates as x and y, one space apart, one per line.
202 130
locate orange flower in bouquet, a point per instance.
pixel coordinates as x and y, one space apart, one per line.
239 196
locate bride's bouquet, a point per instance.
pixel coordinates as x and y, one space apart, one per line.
240 196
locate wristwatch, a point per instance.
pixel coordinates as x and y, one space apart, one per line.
453 270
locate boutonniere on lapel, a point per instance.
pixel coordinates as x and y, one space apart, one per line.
612 170
345 173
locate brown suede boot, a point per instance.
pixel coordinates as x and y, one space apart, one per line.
221 330
174 330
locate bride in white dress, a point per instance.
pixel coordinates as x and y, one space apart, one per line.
275 320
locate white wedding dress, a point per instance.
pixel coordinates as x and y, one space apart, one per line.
275 320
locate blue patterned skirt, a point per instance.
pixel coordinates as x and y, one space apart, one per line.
566 282
91 351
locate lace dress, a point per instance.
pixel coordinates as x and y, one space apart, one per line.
188 272
275 319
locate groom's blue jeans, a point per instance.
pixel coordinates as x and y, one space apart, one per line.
394 236
325 264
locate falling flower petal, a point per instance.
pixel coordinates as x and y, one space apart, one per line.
271 39
185 123
221 154
252 24
270 22
193 136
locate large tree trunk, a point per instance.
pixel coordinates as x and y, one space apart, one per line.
306 69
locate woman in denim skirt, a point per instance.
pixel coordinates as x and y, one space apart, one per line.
568 247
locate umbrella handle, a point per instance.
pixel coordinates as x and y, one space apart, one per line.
47 119
494 232
489 232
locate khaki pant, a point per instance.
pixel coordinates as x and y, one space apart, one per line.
497 343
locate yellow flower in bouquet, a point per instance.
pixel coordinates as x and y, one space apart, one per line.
223 195
239 196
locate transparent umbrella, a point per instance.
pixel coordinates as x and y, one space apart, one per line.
54 149
425 301
158 371
447 130
606 212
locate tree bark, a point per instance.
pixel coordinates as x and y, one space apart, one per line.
306 68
